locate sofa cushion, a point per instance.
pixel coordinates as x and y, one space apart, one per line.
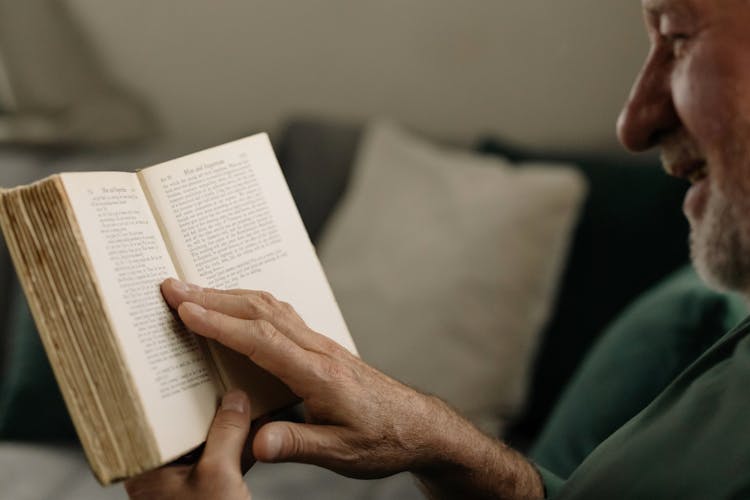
316 158
631 234
643 350
445 264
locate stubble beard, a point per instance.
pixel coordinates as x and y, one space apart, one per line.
720 241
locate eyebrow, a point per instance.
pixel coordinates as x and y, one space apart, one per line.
660 6
654 5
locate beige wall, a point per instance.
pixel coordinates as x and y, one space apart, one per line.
545 72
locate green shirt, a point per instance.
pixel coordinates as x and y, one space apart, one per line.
692 441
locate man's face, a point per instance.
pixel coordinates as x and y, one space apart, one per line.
692 99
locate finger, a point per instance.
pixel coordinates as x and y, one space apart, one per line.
304 443
154 483
228 432
248 459
249 304
258 340
176 292
243 304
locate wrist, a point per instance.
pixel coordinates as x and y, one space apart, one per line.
459 461
449 441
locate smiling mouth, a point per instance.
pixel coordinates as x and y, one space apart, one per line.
693 170
682 157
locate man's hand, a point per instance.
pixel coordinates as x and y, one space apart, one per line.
217 474
360 422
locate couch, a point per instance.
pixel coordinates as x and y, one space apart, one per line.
630 238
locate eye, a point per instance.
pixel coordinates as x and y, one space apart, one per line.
679 43
676 30
676 44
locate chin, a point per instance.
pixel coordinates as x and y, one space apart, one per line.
719 274
720 247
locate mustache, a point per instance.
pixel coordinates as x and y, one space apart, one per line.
677 149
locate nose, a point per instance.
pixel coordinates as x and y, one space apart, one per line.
649 112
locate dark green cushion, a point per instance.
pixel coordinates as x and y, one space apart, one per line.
646 347
316 157
31 406
631 234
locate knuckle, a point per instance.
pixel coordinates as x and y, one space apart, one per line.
250 306
266 329
228 424
277 315
263 330
267 298
295 443
201 299
333 371
249 343
289 314
351 452
287 308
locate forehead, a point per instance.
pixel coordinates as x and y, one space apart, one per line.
730 15
663 6
693 6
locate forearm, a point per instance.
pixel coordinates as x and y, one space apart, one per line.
465 463
361 423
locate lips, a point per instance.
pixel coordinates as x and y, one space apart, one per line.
694 170
696 200
682 158
691 170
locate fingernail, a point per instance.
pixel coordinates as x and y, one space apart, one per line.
193 308
273 445
234 401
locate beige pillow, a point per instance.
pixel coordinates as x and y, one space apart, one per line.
445 265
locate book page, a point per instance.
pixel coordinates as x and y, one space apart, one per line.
169 365
232 223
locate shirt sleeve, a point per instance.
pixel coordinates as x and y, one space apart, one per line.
552 482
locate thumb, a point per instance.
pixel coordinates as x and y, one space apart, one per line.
304 443
229 430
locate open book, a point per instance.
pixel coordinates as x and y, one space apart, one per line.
91 250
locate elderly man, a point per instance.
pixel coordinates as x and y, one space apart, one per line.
692 99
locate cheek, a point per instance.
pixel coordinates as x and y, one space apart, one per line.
702 98
711 93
